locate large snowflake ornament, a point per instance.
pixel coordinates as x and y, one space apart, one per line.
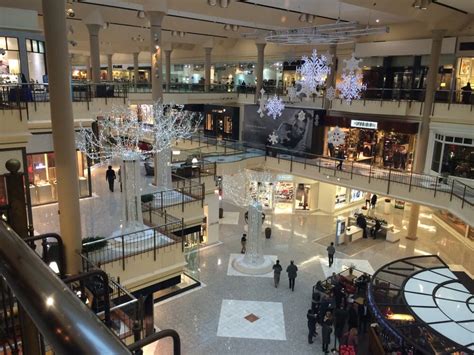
351 86
336 136
273 138
274 107
261 102
314 71
352 64
330 93
301 115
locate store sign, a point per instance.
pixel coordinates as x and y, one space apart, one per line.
364 124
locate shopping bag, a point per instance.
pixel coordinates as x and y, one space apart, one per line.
347 350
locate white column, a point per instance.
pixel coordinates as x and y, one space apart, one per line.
260 65
109 67
156 18
62 124
207 68
135 67
168 68
424 131
94 51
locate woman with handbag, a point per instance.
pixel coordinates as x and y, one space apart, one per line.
326 331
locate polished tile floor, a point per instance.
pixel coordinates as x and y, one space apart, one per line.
197 315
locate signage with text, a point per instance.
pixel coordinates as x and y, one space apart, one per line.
364 124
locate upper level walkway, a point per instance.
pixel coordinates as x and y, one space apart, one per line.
449 194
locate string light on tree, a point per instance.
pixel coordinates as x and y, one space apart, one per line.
274 107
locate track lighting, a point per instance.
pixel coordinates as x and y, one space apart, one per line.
421 4
307 18
178 34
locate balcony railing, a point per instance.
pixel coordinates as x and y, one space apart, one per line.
437 184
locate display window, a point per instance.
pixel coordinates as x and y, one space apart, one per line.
356 195
341 197
79 74
453 156
10 68
302 197
42 177
262 192
36 61
283 197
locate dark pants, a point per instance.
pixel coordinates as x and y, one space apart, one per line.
311 331
276 279
363 322
331 259
111 185
339 165
325 347
292 284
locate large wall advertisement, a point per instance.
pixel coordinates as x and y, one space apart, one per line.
295 131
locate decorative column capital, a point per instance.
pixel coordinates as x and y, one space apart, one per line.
438 34
156 17
260 46
93 29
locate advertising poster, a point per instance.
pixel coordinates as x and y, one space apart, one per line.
294 130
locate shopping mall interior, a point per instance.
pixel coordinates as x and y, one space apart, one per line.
235 176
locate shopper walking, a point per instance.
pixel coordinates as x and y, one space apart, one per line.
367 200
292 270
340 318
373 200
466 92
340 157
110 178
326 331
276 273
331 251
352 319
243 242
363 311
311 317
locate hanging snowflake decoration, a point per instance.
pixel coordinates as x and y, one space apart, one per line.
273 138
314 71
330 93
336 136
316 120
261 101
292 94
351 84
274 107
301 115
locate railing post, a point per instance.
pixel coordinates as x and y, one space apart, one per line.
370 172
335 167
411 177
161 200
154 244
291 163
182 199
464 196
436 185
389 176
319 165
452 190
305 162
352 169
202 194
182 234
123 253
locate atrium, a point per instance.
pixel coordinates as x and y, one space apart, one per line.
237 177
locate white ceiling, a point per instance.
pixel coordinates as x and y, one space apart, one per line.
463 5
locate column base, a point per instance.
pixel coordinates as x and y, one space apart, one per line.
411 237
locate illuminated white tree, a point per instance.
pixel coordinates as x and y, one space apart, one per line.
169 124
237 190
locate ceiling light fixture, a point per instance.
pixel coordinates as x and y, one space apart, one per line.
422 4
224 3
212 2
141 14
377 20
235 28
227 27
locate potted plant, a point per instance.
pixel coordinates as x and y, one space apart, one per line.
268 232
386 207
351 269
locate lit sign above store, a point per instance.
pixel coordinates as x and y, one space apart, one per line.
364 124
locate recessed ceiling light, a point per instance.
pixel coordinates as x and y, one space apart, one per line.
377 20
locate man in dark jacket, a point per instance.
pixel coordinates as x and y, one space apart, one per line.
331 251
311 325
373 200
362 223
276 273
340 317
110 177
353 317
291 270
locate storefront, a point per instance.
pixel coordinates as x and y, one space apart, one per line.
453 155
36 61
10 68
42 177
331 198
464 75
221 121
387 143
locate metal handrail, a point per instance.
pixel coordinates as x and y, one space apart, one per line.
66 323
157 336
